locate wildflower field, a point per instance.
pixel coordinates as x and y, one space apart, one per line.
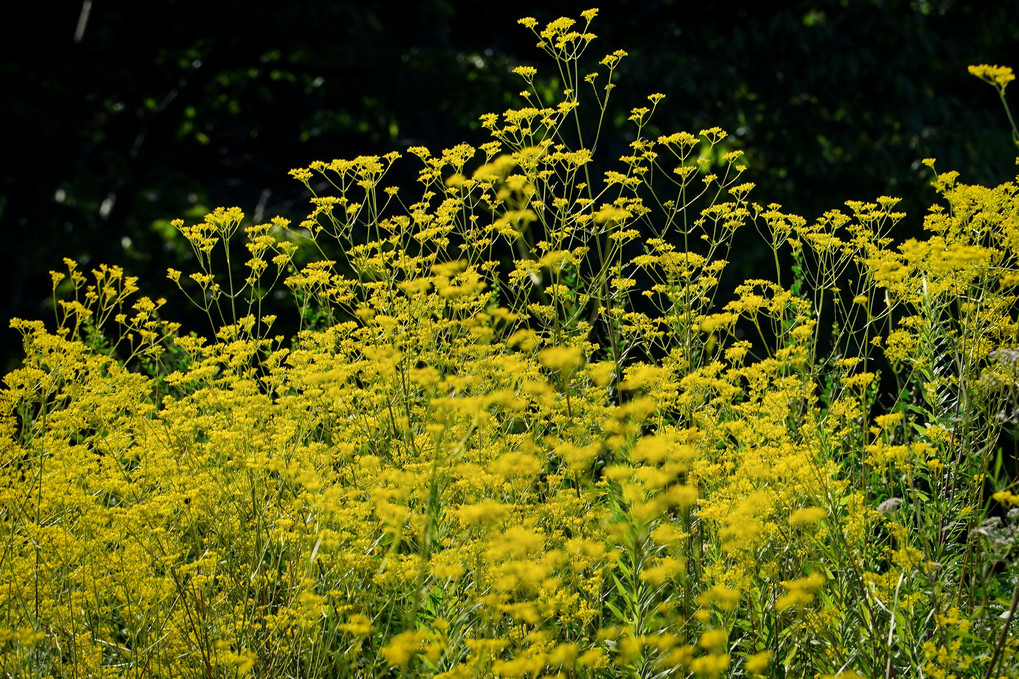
531 425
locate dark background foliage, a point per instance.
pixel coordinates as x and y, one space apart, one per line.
140 112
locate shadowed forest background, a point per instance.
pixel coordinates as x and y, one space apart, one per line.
139 113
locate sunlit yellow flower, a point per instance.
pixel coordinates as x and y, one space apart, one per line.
999 76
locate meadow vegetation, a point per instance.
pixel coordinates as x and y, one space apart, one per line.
531 425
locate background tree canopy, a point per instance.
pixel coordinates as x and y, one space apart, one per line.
123 116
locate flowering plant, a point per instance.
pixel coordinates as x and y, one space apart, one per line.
527 427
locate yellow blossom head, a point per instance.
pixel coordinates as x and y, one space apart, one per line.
998 76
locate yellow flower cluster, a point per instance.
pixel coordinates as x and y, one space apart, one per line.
999 76
524 425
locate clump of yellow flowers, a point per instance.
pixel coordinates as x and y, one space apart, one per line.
527 430
998 77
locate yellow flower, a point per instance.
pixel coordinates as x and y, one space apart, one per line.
799 592
601 373
402 647
713 639
1006 498
526 72
487 512
563 360
727 599
710 665
998 76
806 515
758 662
